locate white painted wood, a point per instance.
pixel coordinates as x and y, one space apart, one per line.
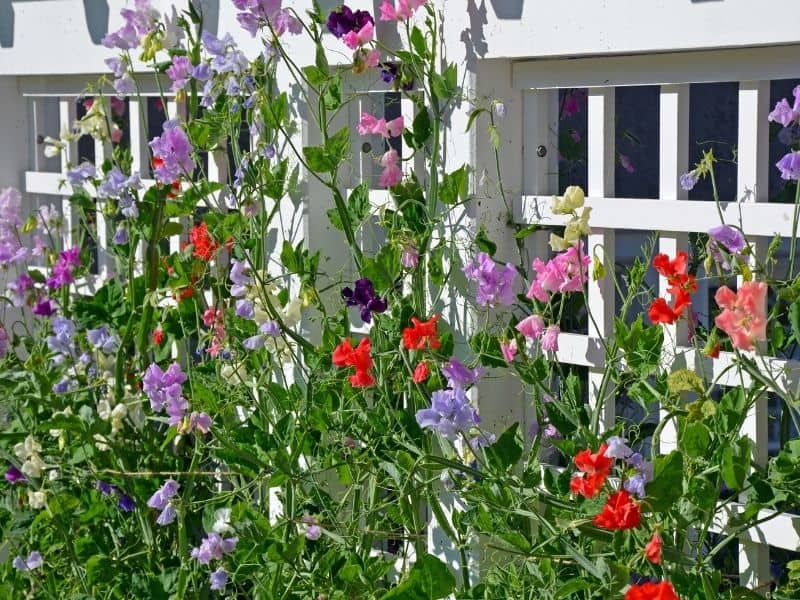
752 186
641 214
773 62
67 113
673 158
103 257
601 294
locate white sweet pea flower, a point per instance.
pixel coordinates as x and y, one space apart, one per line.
37 500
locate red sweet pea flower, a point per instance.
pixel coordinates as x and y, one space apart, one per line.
653 549
620 512
681 286
662 590
204 244
421 334
595 469
671 268
158 336
359 357
661 312
421 373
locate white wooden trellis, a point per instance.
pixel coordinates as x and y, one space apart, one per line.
674 217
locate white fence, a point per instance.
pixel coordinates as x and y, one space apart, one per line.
495 46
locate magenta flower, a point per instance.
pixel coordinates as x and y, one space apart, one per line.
14 475
509 350
61 273
566 272
495 282
550 338
789 166
356 39
44 308
364 297
172 154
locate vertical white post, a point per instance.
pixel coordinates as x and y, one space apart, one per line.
138 141
601 294
101 225
673 160
752 186
67 114
172 109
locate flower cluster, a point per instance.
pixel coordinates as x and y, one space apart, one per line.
495 283
681 286
365 298
744 313
344 355
162 499
788 115
172 154
567 272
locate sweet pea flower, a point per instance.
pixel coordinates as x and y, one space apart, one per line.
566 272
450 413
356 39
550 338
571 201
531 327
392 174
14 475
343 21
784 113
401 11
509 350
459 375
178 72
34 561
219 579
409 258
172 153
81 173
365 298
789 166
371 125
743 316
213 547
495 282
617 447
102 339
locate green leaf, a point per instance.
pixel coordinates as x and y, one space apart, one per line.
332 96
429 579
98 569
171 228
315 75
418 43
421 127
735 462
696 439
641 345
384 269
507 450
472 116
318 159
338 145
436 265
794 319
684 380
454 186
484 243
667 484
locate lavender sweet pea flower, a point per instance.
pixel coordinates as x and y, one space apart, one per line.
200 421
688 180
270 328
178 72
450 413
495 282
789 166
162 386
172 153
213 547
61 340
245 309
617 447
255 342
64 385
121 236
34 561
239 277
102 339
635 485
81 173
167 515
731 238
105 488
364 297
219 579
17 289
313 533
459 375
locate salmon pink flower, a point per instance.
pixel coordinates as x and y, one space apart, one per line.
743 316
421 372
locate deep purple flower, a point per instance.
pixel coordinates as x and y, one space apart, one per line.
172 154
450 413
126 503
459 375
219 579
344 20
105 488
364 296
789 166
44 308
213 547
14 475
495 282
64 385
688 180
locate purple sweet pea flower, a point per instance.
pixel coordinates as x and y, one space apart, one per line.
162 500
44 308
789 166
81 173
121 236
126 503
450 413
178 72
163 386
255 342
617 447
409 259
364 297
172 154
239 278
18 289
105 488
167 515
459 375
270 328
219 579
115 184
200 421
728 236
344 20
34 561
14 475
245 309
495 282
689 180
213 547
313 533
61 273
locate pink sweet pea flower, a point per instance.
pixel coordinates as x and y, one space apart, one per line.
404 9
373 58
392 174
509 350
743 316
355 39
531 327
550 338
371 125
